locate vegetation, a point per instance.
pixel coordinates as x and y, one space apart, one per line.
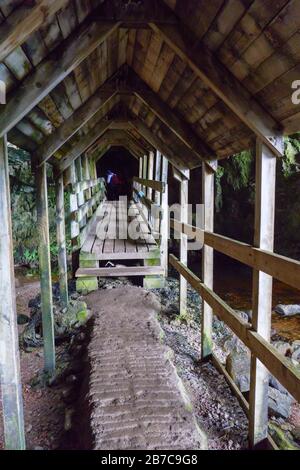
235 189
24 209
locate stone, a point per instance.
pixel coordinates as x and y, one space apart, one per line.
273 382
281 438
22 319
287 310
296 344
279 403
282 347
238 367
296 357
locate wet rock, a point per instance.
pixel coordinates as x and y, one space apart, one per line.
296 356
279 403
273 382
68 418
296 344
282 347
287 310
238 367
22 319
281 438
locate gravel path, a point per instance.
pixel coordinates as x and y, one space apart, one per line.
136 398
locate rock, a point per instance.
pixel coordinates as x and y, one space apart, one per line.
281 438
296 433
296 357
282 347
22 319
287 310
238 367
38 448
68 418
245 314
279 403
296 344
273 382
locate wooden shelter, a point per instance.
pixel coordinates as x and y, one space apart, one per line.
192 80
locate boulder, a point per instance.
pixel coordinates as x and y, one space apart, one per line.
238 367
296 357
282 347
279 403
281 438
287 310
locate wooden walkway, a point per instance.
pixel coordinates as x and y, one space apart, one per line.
108 236
119 232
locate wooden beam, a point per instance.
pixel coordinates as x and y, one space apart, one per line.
61 241
155 141
23 21
45 268
156 185
150 173
164 223
207 258
169 117
10 377
72 125
285 269
278 365
80 146
52 70
184 192
262 289
218 78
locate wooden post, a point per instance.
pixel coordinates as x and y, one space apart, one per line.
262 289
207 257
61 241
85 168
184 191
145 160
164 225
150 173
10 379
157 175
45 268
78 165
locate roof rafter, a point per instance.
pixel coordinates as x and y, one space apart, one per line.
72 125
23 21
52 70
223 83
169 117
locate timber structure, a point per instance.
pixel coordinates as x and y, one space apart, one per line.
178 83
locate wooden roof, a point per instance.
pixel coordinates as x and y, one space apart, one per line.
196 79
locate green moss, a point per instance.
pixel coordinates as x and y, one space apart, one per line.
87 284
281 438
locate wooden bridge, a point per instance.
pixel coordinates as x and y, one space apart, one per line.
184 82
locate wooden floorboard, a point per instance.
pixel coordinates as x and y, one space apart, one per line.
111 222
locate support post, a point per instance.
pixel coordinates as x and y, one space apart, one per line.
150 173
145 160
262 289
61 241
207 257
157 175
10 379
45 268
164 225
184 189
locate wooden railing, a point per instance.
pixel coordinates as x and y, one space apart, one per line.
85 197
285 269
